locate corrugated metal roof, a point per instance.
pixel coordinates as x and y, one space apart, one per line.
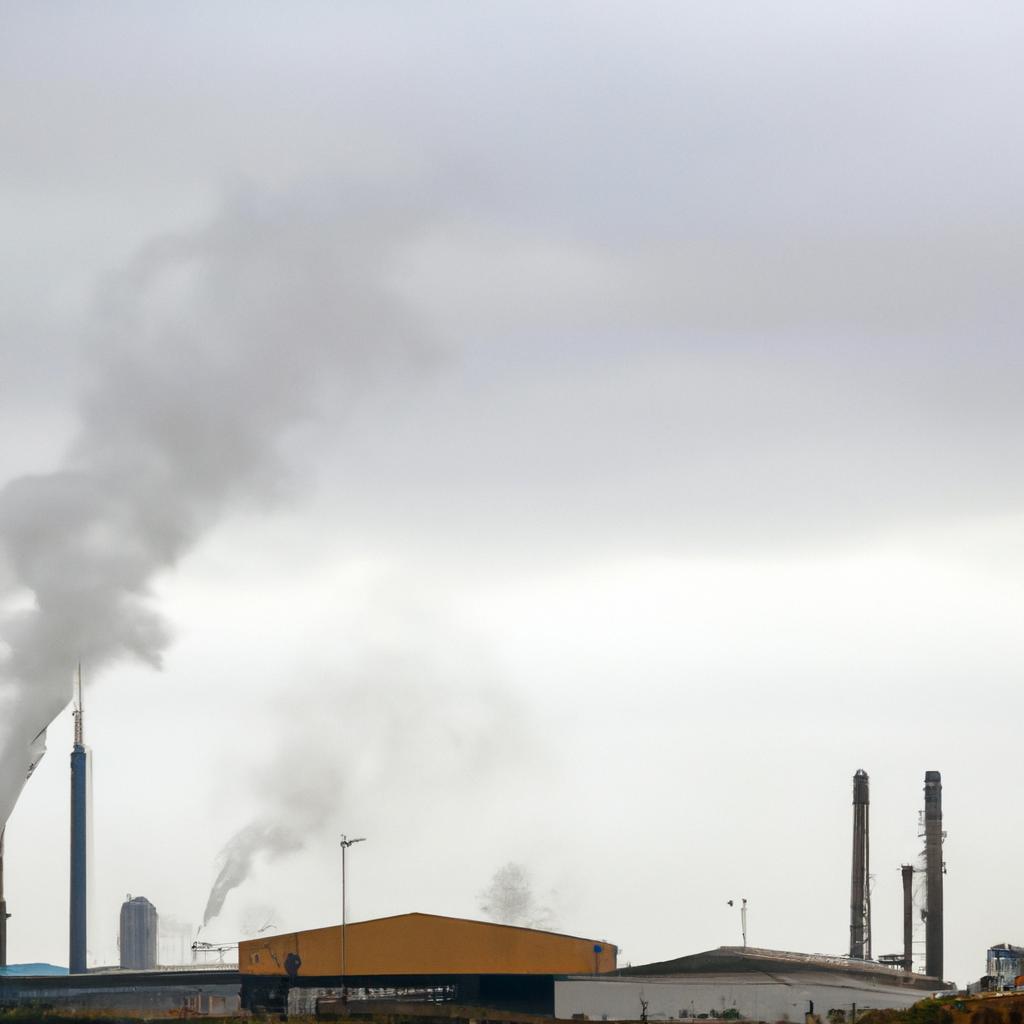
472 920
733 959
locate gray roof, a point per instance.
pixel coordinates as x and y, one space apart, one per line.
745 959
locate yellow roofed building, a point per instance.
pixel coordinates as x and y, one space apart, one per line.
423 944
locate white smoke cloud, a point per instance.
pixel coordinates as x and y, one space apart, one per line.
205 351
510 899
409 713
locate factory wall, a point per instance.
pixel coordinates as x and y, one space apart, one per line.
758 996
412 944
140 993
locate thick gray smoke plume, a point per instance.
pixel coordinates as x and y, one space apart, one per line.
205 351
237 859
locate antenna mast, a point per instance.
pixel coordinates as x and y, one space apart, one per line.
79 741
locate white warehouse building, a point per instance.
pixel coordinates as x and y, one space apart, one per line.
741 982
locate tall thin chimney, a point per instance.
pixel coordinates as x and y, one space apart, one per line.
860 893
933 836
79 842
3 905
908 917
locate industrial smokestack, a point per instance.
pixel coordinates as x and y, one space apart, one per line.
933 837
908 917
860 892
3 906
79 843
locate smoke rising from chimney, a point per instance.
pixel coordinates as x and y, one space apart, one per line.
421 717
205 351
510 899
238 855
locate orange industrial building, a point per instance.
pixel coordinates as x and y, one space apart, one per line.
426 944
435 957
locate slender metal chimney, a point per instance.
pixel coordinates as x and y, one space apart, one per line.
908 917
860 894
933 866
3 906
79 842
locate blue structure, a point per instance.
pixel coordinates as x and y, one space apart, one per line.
79 844
32 971
1005 964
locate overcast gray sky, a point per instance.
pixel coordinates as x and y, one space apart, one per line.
577 434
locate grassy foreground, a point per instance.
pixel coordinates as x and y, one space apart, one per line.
987 1008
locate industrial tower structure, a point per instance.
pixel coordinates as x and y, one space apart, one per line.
79 841
934 870
860 886
907 870
3 905
140 927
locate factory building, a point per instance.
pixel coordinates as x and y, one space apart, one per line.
424 958
138 935
742 982
1004 967
417 956
428 958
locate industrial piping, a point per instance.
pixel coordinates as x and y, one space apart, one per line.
933 837
860 892
79 844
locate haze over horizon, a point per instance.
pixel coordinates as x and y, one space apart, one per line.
579 436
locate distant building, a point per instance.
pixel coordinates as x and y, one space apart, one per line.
1004 964
415 956
139 927
742 983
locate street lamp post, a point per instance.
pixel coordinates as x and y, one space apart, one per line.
345 844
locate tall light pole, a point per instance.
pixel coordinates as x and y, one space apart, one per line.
345 844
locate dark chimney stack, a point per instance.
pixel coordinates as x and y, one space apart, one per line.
860 894
933 837
908 917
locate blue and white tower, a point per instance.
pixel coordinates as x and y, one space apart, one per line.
79 841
